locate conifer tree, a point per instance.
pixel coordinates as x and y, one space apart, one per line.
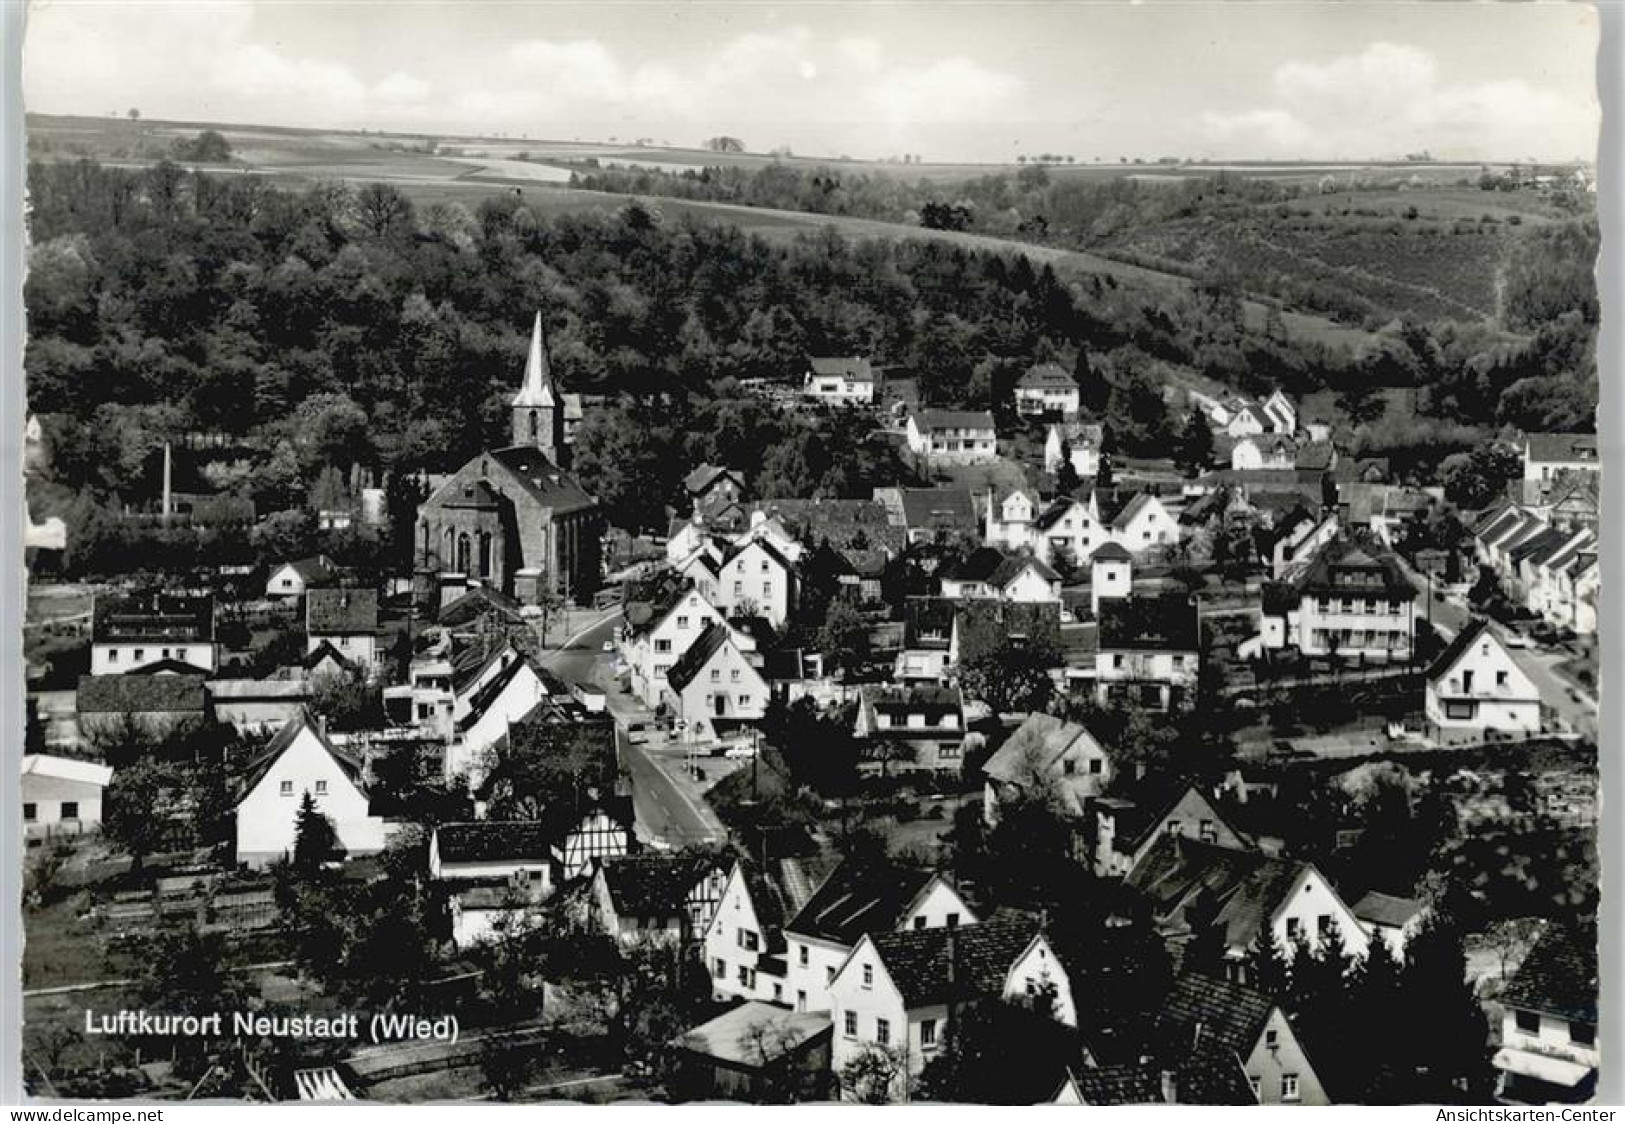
314 839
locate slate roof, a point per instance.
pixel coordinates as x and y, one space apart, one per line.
1052 514
326 651
1559 975
1561 447
311 570
700 480
1342 555
155 617
1121 517
858 898
933 702
1386 909
492 690
853 367
1205 1011
977 566
927 420
1111 552
983 626
731 1036
1166 623
1204 1076
923 615
1247 886
141 694
934 965
699 653
1013 565
478 602
486 841
938 508
254 772
1454 650
652 885
341 612
1041 740
1046 376
543 479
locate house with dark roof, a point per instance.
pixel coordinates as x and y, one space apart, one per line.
1127 826
1348 599
716 687
1549 1051
290 580
1081 442
744 945
1204 1014
1476 685
856 898
1046 389
1190 885
747 577
480 608
903 990
988 572
346 618
953 436
1149 652
928 719
1211 1075
483 715
159 703
1392 919
928 631
131 632
847 380
754 1053
1049 760
931 514
983 627
651 898
1547 456
299 760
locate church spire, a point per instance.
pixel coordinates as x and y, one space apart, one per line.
538 386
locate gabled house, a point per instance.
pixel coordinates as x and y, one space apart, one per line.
928 630
744 946
1046 389
953 436
902 991
1068 530
1141 522
129 633
748 578
990 573
1212 1014
983 627
854 899
1345 601
483 716
1549 1052
1298 537
712 487
1262 451
657 632
756 1053
61 795
1149 652
290 580
347 619
929 720
1475 684
1075 441
1126 827
1547 456
846 380
1391 919
298 760
931 514
716 687
1046 757
1189 885
667 899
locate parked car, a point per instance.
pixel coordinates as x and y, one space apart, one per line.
1515 639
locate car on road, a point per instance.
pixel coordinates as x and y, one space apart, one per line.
740 751
637 733
1514 639
607 646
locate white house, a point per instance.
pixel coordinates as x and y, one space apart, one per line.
1260 451
858 898
1342 601
1548 455
988 572
930 720
751 578
953 436
657 634
1247 1024
290 580
1068 529
1475 684
655 899
61 795
744 948
1391 919
1549 1053
1111 575
1126 828
1144 524
1081 443
1045 389
1046 754
1149 653
298 760
899 991
716 687
842 379
347 619
485 715
129 634
1010 520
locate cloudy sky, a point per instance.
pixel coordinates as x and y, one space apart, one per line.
951 81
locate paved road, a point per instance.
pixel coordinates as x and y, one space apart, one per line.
666 813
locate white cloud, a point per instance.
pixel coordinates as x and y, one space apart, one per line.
860 53
951 89
1391 98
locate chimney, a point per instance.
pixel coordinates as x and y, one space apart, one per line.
1170 1090
167 500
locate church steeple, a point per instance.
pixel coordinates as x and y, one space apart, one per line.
536 419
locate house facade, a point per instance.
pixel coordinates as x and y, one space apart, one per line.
1149 653
953 436
656 636
1475 684
1046 389
716 687
301 759
929 720
61 795
1549 1052
131 633
346 619
1079 443
844 380
1345 602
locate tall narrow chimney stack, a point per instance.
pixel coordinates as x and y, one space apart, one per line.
167 499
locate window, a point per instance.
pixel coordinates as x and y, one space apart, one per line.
286 788
662 645
1097 765
1069 767
1206 832
767 590
716 675
1500 679
344 642
953 921
1323 923
744 700
1581 1034
321 788
745 976
721 971
112 655
803 955
682 622
928 1034
748 940
140 654
739 589
801 1000
1289 1086
919 922
30 813
868 975
1117 661
778 992
829 976
1294 928
1272 1038
1528 1022
849 1024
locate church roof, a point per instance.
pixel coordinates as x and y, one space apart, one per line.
544 479
538 386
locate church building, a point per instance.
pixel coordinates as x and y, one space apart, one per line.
511 518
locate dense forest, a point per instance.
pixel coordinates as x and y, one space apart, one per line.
344 326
